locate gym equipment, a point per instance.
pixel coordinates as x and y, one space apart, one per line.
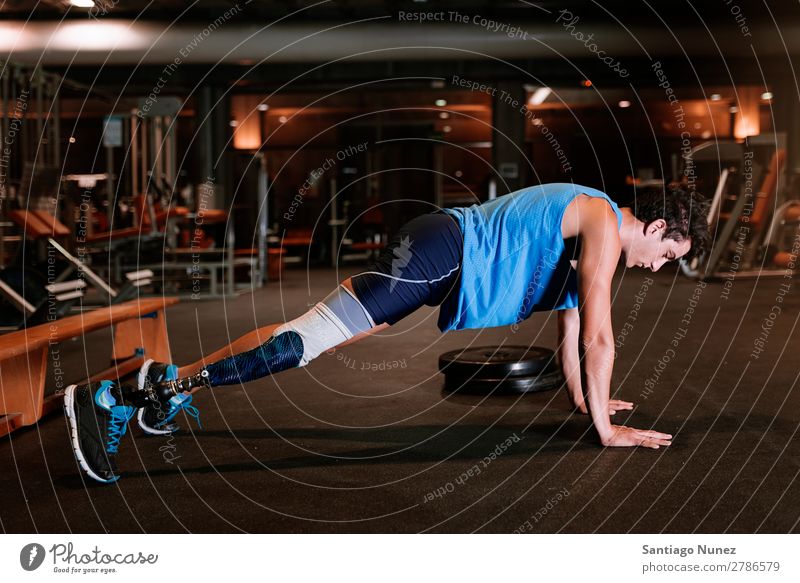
495 362
781 236
500 370
30 300
27 300
741 241
545 381
140 331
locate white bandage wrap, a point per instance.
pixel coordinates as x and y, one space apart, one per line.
320 330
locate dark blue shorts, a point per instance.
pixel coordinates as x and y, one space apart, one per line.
420 266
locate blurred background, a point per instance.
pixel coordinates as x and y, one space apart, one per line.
312 130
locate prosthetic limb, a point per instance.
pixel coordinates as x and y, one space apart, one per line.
338 318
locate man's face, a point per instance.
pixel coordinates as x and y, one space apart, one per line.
650 250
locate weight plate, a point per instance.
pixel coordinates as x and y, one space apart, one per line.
496 362
552 379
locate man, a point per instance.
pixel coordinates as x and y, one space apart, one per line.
548 247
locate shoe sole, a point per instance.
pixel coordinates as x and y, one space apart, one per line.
140 380
69 410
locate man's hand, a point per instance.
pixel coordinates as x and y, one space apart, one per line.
614 405
621 436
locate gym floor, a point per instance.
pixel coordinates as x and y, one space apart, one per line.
366 441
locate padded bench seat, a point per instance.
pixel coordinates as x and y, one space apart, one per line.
139 331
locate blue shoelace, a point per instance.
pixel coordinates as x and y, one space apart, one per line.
117 427
191 410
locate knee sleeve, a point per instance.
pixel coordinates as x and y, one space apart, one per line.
334 320
337 318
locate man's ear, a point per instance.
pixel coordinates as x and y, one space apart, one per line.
656 226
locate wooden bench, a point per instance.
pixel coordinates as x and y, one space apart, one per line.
140 332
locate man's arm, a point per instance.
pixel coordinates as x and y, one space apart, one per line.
596 265
569 326
569 329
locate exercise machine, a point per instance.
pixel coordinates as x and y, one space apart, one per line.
740 217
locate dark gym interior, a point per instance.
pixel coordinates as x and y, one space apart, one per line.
236 160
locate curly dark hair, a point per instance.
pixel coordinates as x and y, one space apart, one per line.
685 214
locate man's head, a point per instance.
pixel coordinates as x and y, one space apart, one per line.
670 225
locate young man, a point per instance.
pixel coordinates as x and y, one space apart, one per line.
548 247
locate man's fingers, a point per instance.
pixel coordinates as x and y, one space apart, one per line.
653 434
655 443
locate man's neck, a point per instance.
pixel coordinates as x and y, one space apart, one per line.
630 227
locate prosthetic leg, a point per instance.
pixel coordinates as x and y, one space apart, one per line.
338 318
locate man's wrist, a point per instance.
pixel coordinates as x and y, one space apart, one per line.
605 433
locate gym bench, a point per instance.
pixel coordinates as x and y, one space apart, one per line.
140 332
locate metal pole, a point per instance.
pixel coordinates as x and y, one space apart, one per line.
144 128
158 151
334 224
263 216
134 157
37 78
110 182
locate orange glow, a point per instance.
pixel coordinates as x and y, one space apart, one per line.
586 83
747 118
244 111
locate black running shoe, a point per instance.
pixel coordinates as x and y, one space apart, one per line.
98 419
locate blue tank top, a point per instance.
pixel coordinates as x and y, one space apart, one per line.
514 259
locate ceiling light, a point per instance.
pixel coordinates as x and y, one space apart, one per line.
233 123
263 107
537 121
733 109
624 103
716 97
283 119
447 129
766 96
441 102
82 3
540 95
586 83
71 140
443 115
459 174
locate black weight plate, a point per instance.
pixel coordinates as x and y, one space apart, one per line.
546 381
493 362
